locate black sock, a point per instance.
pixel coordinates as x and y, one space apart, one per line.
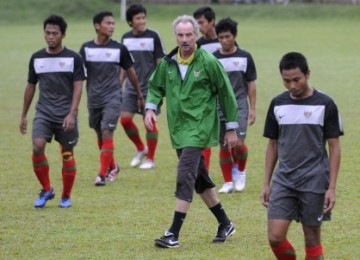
177 223
220 214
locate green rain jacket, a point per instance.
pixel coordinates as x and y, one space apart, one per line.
191 104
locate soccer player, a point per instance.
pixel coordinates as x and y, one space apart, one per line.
192 80
240 67
299 124
103 58
205 16
147 49
60 74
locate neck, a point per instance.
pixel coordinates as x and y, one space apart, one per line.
210 35
55 50
229 51
101 40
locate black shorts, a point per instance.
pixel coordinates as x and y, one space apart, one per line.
129 104
191 174
104 118
304 207
240 131
45 129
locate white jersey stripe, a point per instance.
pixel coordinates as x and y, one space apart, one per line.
234 64
49 65
102 54
300 114
139 44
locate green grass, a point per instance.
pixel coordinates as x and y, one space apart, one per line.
121 220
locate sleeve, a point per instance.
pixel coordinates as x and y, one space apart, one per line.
159 50
226 96
271 128
332 123
156 86
250 74
79 71
32 76
126 59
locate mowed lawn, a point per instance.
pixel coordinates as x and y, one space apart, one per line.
121 220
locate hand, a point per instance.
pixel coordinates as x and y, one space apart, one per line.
329 201
230 139
23 125
150 118
252 116
69 122
264 196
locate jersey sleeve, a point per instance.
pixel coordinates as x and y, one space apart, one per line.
250 74
159 50
332 123
271 128
79 71
126 59
32 76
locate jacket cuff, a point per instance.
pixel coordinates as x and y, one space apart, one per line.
150 106
231 125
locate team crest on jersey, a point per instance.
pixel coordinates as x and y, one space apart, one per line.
197 73
236 63
62 64
108 54
307 114
142 44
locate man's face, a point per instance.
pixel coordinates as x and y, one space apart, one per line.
106 27
53 36
227 40
185 37
296 82
204 25
138 23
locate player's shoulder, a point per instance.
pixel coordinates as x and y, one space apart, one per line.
39 53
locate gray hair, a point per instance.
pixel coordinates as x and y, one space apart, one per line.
185 19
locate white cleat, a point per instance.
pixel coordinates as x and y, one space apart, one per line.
227 187
147 164
138 157
240 182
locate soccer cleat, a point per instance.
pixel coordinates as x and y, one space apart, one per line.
100 181
112 173
138 157
240 181
147 164
224 231
168 240
44 196
65 202
227 187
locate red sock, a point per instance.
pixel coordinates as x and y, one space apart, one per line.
113 163
207 155
132 132
226 164
152 140
41 169
68 176
241 157
285 251
106 156
314 253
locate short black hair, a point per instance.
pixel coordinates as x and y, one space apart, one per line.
225 25
100 16
134 10
56 20
206 11
293 60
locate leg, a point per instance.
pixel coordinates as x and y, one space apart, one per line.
241 154
152 141
313 247
226 162
68 175
281 247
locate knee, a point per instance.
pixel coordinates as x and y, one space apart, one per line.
38 149
275 240
124 121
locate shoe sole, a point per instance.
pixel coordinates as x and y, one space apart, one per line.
161 244
64 207
223 241
100 184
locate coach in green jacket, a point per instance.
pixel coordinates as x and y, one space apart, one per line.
192 80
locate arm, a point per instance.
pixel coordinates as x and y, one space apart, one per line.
122 76
271 157
28 97
69 120
334 158
134 82
252 101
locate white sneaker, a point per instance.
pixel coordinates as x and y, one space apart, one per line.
112 173
147 164
240 181
138 157
227 187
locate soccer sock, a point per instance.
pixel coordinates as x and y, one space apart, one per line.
207 155
314 253
152 140
106 155
241 157
226 164
41 169
220 214
113 163
132 132
285 251
68 175
178 220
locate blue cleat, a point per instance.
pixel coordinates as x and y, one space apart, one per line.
65 202
44 196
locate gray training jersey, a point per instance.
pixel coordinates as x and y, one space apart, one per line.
103 64
241 69
301 127
145 48
56 74
211 45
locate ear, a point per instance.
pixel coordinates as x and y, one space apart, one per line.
97 26
307 74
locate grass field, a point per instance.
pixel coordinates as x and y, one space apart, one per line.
121 220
